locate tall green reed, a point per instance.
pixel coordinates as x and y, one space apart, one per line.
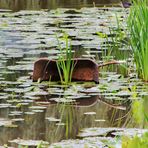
138 29
65 62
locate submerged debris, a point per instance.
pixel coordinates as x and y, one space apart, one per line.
84 70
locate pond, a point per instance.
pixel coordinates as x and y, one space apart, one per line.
17 5
31 112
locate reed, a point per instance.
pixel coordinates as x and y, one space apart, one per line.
114 41
138 29
65 62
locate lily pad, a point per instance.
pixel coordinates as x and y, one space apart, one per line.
28 142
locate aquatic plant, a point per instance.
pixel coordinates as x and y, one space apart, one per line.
115 40
139 108
65 64
114 43
140 113
135 142
138 29
41 145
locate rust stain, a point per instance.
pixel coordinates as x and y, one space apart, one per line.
84 70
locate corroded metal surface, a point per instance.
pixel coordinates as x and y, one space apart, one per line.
84 70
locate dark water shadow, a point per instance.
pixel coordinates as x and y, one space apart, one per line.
17 5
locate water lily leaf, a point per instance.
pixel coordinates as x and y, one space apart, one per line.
52 119
28 142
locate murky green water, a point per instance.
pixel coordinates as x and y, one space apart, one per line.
51 112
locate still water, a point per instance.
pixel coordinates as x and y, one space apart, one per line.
17 5
51 112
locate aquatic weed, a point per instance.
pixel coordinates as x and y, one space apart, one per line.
138 29
65 63
115 40
135 142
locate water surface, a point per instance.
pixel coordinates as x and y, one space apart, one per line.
52 112
17 5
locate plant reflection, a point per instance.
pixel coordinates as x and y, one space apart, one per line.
17 5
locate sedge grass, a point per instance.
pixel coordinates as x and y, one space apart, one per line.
114 42
117 46
65 62
138 29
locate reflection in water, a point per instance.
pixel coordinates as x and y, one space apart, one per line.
62 120
23 36
17 5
